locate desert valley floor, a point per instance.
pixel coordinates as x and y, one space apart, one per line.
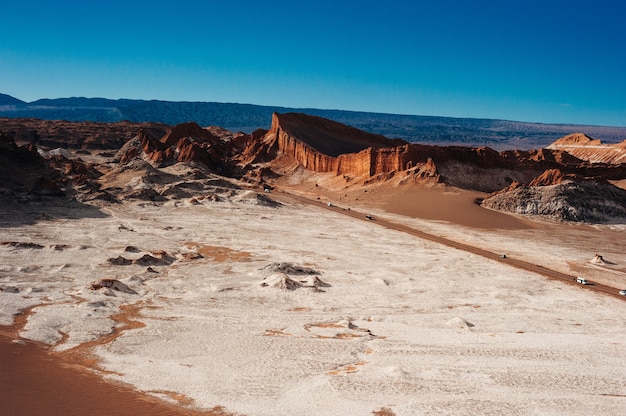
252 308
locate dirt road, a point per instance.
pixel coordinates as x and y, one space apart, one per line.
518 263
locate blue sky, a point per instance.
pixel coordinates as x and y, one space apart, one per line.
540 61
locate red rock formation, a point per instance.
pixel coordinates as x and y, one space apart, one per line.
551 177
318 143
585 148
186 142
350 152
326 136
191 130
578 139
191 151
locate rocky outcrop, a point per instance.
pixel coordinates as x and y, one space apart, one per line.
318 143
326 136
186 142
591 150
562 196
521 181
552 177
188 130
309 157
585 201
576 139
24 170
111 285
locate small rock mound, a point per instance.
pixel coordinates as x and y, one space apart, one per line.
112 284
158 258
146 195
458 322
598 259
290 268
314 281
254 198
281 281
9 289
119 261
18 244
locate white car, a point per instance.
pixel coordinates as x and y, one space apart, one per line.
582 281
622 292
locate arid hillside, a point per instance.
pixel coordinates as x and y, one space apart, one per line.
346 155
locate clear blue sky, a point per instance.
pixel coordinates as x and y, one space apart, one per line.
543 61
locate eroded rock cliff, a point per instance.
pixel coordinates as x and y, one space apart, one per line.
325 146
186 142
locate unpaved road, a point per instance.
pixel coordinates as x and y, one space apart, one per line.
520 264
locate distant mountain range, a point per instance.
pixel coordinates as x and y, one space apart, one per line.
498 134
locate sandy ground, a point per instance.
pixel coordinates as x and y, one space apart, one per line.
35 382
300 310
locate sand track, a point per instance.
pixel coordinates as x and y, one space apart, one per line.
507 259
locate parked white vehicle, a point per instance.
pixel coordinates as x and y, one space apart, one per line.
582 281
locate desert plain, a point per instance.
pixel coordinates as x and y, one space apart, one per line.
294 303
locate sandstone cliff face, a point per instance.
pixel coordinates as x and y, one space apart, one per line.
332 147
309 157
482 169
326 136
323 145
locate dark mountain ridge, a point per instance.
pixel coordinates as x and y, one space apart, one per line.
8 100
498 134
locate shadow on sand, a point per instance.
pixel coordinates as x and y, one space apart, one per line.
16 213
